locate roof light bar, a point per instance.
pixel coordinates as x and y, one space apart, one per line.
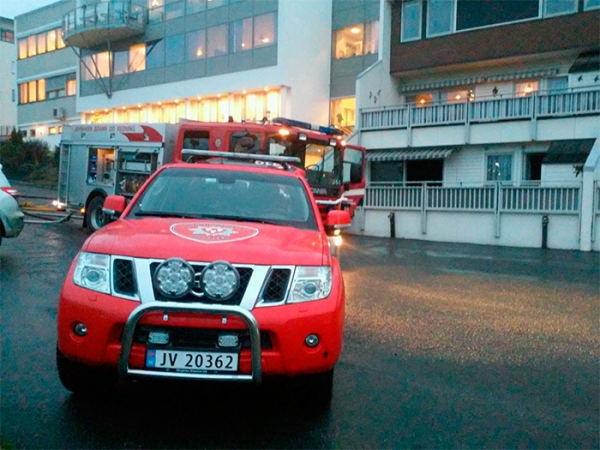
241 156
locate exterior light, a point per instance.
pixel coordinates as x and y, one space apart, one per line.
159 103
219 281
343 143
244 92
266 89
284 132
199 52
312 340
199 98
80 329
176 100
332 142
139 105
123 108
218 95
105 109
228 340
158 337
457 97
302 136
355 30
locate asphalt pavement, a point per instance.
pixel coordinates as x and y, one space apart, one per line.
446 345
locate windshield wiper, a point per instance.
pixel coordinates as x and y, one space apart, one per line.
237 218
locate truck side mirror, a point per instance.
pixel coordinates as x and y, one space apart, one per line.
337 219
114 205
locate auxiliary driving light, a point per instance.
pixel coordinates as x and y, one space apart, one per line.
220 281
174 278
228 340
312 340
80 329
158 337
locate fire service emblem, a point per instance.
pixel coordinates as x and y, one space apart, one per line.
213 233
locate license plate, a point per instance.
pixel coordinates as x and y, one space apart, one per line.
185 361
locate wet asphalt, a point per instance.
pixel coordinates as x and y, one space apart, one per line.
446 346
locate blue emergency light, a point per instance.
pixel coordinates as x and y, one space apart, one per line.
307 126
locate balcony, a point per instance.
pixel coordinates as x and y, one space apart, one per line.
95 25
532 107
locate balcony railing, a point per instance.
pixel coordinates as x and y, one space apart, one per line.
85 26
497 198
537 105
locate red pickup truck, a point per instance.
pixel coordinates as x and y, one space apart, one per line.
219 269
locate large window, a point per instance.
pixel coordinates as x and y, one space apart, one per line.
387 172
559 7
47 88
411 20
343 112
174 50
216 41
499 167
440 17
482 13
40 43
356 40
155 54
264 30
195 45
241 35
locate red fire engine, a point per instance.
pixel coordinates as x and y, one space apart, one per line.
98 160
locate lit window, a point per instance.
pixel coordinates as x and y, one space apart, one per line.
59 40
22 48
217 41
31 46
499 167
41 88
23 93
195 45
41 43
71 87
411 20
32 91
241 35
102 64
264 30
457 96
343 112
51 40
371 38
137 57
558 7
349 41
440 17
52 130
420 99
156 11
527 88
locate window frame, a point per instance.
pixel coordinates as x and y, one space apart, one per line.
562 13
428 33
491 155
419 34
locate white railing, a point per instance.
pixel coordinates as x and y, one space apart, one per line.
497 198
537 105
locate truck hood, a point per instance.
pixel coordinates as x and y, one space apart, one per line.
210 240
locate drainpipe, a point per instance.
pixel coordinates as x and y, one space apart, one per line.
545 221
392 217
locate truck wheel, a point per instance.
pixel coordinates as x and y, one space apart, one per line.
81 379
94 216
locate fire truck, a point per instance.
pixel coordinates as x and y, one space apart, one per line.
97 160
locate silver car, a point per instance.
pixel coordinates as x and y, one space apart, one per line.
12 218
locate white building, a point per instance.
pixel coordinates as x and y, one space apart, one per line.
482 122
8 77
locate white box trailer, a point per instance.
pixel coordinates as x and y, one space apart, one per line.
97 160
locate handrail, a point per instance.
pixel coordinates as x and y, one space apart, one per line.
104 14
489 109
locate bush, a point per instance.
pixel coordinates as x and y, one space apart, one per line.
31 161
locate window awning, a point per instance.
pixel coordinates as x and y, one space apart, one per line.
586 62
409 154
573 151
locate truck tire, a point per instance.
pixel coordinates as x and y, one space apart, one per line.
84 380
94 216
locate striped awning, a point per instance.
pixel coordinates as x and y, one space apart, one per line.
409 154
521 75
436 84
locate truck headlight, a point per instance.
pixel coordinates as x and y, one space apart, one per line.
311 283
93 272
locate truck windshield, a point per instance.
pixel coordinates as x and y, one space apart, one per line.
323 163
226 195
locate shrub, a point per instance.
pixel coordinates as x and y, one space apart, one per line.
31 161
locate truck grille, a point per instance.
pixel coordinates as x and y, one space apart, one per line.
277 286
245 274
124 279
198 338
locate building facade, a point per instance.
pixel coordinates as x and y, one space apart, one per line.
210 60
8 70
482 120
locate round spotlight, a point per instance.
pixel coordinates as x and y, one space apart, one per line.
80 329
312 340
174 278
219 281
